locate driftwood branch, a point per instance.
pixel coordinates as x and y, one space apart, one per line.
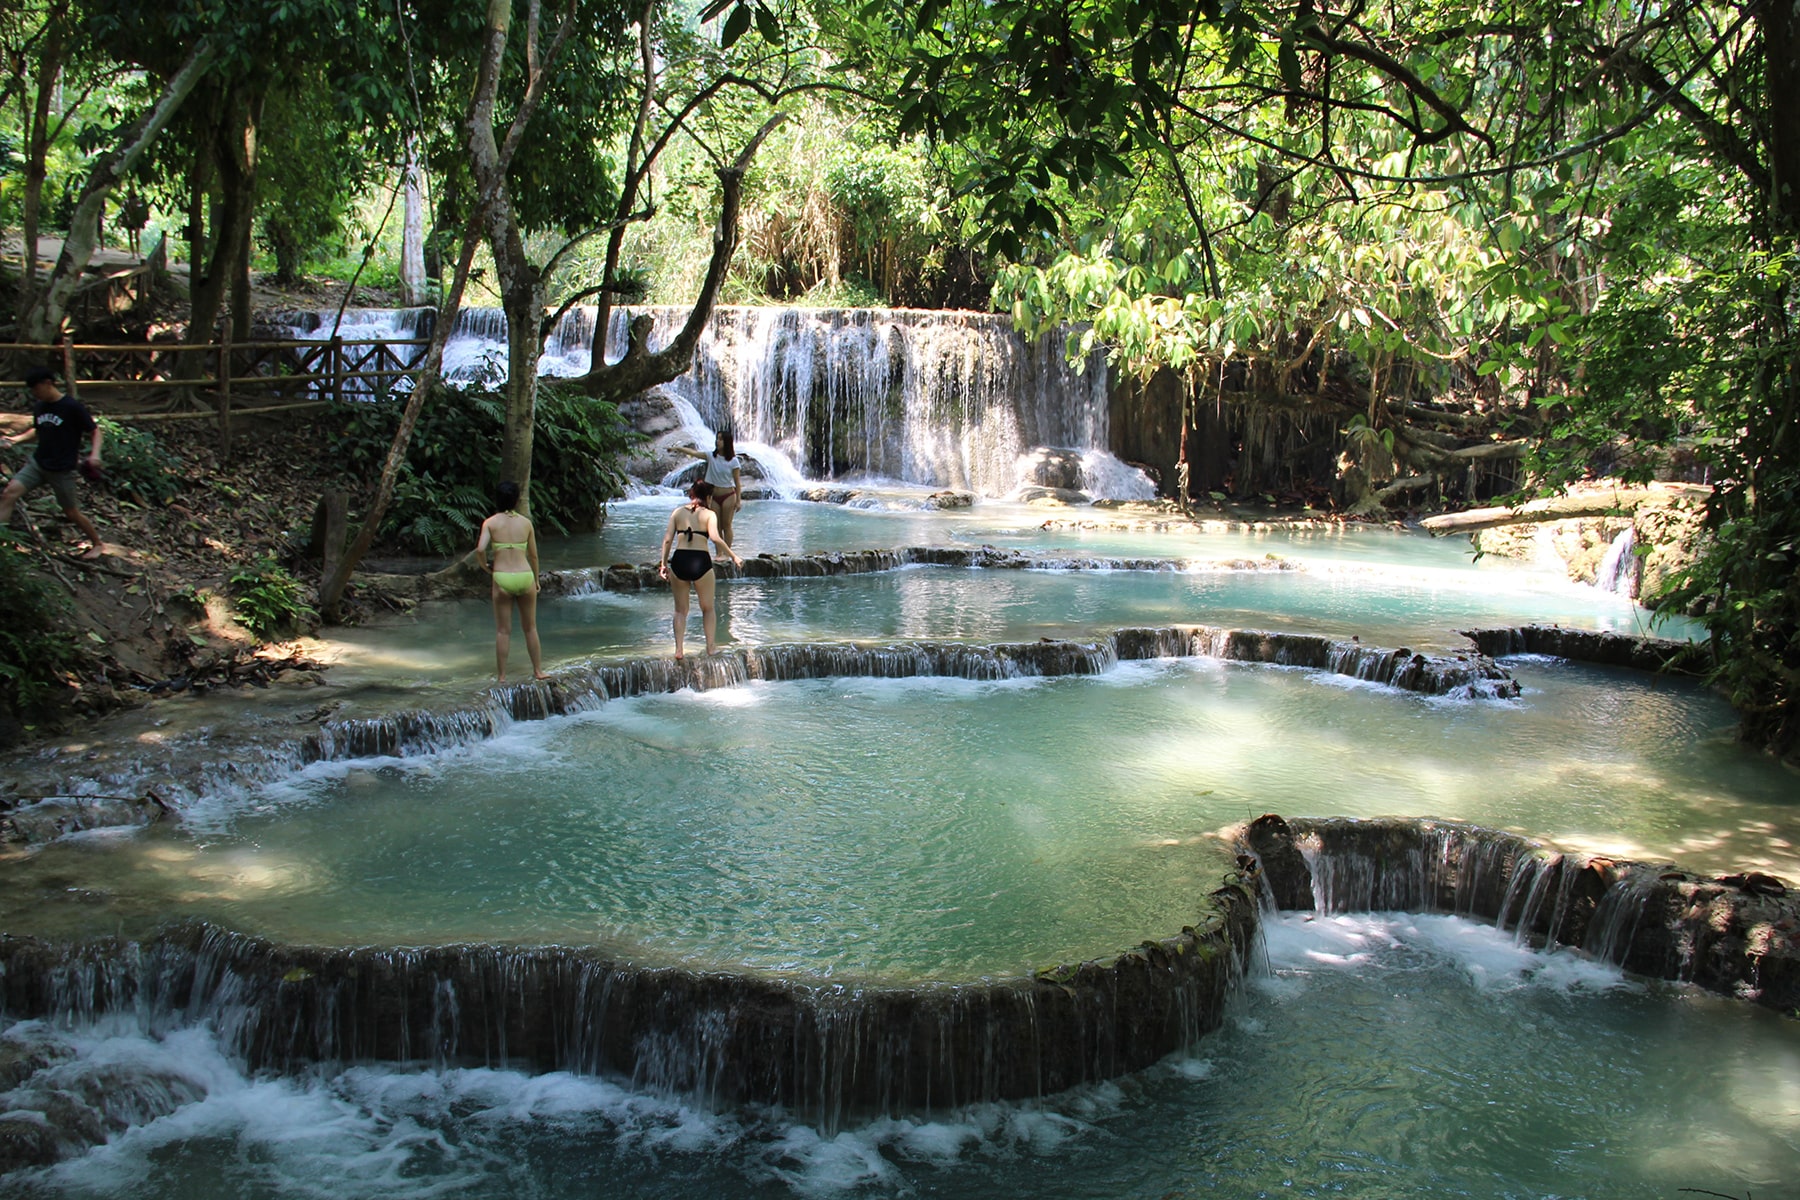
1615 502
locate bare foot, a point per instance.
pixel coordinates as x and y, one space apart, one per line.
98 550
540 675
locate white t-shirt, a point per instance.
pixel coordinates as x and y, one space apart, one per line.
718 471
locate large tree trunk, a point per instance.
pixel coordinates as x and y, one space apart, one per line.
1557 508
236 159
523 300
639 369
412 227
37 153
493 211
42 318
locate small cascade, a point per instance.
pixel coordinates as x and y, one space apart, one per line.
776 469
1594 646
1725 934
1104 476
1618 916
828 1051
1618 570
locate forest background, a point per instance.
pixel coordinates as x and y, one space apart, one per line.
1438 238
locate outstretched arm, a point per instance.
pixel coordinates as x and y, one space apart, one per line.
691 452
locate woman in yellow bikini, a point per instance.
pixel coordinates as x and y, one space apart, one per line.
515 570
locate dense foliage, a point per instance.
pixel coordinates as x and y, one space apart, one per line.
1576 219
37 647
447 486
1581 215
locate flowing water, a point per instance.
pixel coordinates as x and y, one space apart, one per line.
1371 1056
862 831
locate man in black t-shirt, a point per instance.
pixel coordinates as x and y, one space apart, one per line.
59 424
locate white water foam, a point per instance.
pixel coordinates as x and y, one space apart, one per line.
379 1131
1297 945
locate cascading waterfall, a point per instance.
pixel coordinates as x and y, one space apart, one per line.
777 471
716 1037
1722 934
1617 572
937 399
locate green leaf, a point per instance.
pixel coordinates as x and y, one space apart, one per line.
1289 62
735 26
768 25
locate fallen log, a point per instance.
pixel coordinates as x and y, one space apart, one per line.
1615 502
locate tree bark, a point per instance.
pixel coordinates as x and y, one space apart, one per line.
42 319
37 153
1557 508
639 369
235 156
412 228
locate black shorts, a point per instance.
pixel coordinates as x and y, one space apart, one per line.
689 565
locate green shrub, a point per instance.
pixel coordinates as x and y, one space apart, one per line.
36 646
137 465
446 486
268 601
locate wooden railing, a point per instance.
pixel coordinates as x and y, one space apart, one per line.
211 381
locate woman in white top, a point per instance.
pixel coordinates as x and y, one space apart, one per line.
724 470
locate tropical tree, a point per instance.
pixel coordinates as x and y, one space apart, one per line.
1429 190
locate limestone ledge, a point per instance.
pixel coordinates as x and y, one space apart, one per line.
142 783
1736 934
830 1050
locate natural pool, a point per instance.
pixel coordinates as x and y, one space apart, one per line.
878 830
1388 587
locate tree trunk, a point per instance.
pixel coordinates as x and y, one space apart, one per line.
412 228
523 301
236 160
639 369
42 319
1557 508
242 308
199 183
493 211
37 153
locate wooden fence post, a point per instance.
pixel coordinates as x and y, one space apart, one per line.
330 530
337 367
225 394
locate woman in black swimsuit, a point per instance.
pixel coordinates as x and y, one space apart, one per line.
691 527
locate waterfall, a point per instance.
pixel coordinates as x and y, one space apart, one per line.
830 1051
1653 919
778 471
939 399
1618 570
